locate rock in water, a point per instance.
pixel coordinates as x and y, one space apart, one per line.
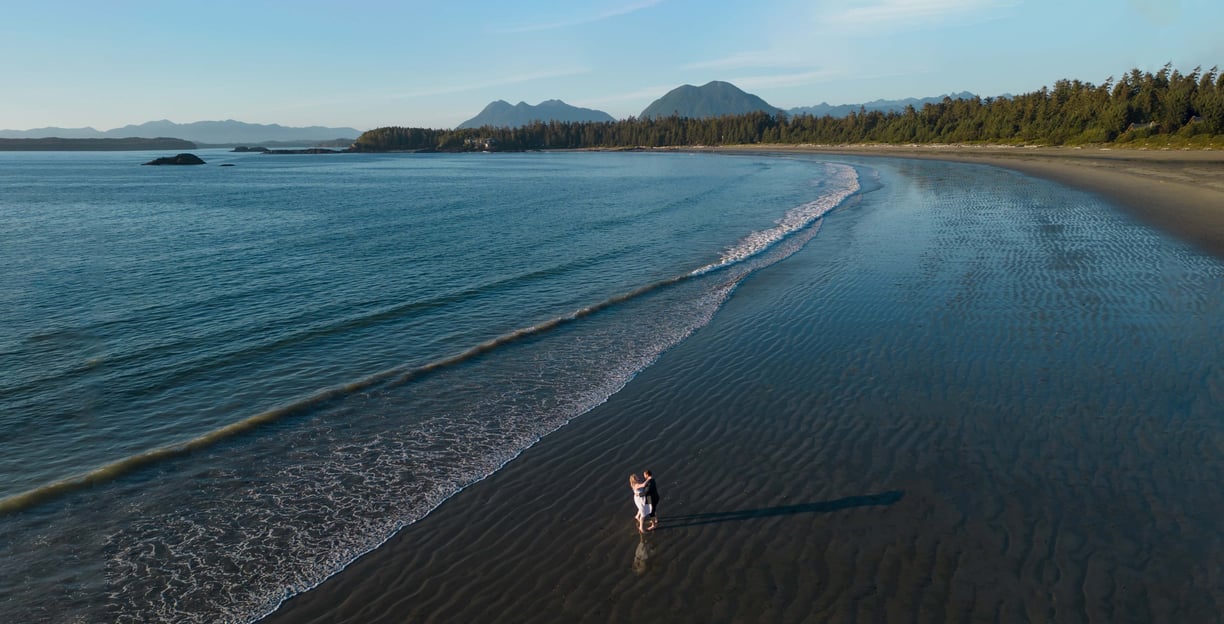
181 159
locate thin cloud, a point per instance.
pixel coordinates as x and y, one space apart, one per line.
506 80
578 21
880 13
774 81
1158 12
645 92
743 60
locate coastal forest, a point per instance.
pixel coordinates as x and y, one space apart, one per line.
1138 108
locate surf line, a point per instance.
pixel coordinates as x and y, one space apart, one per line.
397 376
795 219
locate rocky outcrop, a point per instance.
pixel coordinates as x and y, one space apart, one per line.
181 159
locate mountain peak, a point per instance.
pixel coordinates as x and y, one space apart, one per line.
713 99
499 114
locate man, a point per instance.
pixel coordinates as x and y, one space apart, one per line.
652 497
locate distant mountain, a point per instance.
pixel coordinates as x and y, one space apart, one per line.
712 99
884 106
228 132
501 114
59 133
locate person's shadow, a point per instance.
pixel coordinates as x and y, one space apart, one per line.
740 515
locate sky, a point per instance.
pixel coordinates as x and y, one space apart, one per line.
366 63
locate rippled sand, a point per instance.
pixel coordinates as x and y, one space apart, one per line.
974 396
1180 191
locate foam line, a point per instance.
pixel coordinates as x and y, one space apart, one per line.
845 180
398 375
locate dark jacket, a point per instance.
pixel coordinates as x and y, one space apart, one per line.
652 492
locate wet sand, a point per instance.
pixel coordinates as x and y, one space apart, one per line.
1179 191
909 420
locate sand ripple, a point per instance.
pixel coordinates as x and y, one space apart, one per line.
974 397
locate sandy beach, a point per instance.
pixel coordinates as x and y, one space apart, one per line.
902 422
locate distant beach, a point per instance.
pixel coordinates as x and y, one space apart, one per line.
974 396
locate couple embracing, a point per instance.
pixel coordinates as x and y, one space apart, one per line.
646 498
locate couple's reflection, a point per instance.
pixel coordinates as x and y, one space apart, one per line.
642 555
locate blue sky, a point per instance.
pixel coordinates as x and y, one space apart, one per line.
366 64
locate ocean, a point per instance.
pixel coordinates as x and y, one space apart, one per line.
221 385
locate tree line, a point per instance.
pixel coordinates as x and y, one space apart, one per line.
50 144
1137 106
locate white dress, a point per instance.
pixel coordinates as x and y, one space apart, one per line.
639 499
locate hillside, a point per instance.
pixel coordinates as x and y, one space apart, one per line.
712 99
500 114
92 145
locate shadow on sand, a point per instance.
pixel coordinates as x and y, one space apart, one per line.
676 522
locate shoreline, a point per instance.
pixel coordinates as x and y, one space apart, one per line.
1178 191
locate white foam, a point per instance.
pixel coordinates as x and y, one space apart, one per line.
843 182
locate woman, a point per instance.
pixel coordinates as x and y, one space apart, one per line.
639 499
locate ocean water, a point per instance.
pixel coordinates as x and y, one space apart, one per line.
220 385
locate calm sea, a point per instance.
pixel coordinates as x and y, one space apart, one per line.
220 385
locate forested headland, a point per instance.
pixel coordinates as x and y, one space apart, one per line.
93 145
1167 107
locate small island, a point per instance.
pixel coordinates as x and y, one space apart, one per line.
181 159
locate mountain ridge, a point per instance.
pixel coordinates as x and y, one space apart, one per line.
223 132
501 114
884 106
715 98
